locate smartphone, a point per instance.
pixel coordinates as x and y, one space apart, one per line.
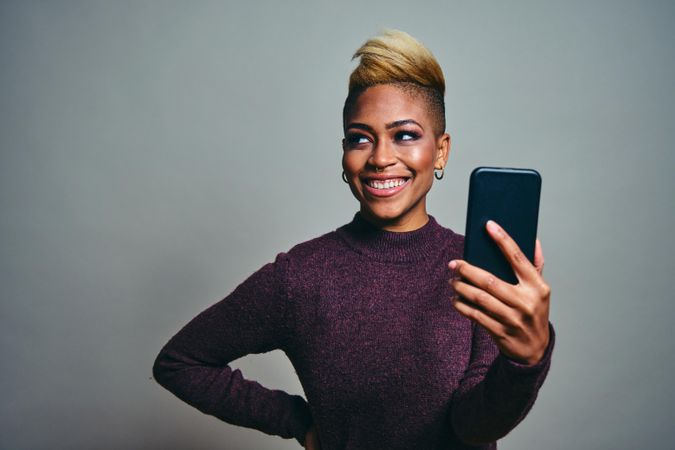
510 197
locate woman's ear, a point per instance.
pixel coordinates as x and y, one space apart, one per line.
443 145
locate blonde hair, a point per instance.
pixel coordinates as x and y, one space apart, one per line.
395 57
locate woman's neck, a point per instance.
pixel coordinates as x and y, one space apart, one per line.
388 246
407 222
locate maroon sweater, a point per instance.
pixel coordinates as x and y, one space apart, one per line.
364 316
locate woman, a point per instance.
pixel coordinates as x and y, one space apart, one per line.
365 313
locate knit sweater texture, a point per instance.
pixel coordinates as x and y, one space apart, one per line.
385 361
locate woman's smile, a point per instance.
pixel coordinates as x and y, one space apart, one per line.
385 186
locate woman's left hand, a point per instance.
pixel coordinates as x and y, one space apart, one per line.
516 316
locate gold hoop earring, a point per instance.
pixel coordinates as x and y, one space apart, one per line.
437 176
344 177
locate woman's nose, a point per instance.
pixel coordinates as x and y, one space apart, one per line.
383 155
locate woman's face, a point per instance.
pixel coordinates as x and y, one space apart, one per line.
390 152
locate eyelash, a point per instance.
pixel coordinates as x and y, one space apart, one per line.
353 139
413 135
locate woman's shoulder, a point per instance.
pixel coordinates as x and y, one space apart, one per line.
321 245
310 261
452 242
317 247
449 232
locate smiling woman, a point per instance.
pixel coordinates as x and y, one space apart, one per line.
365 313
394 125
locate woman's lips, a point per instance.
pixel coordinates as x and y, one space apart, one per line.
385 187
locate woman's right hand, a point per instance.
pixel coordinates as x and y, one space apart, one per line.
312 439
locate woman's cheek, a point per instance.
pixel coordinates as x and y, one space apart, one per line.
420 159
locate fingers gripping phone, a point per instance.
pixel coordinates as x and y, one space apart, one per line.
510 197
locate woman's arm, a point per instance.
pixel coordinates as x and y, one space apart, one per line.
252 319
496 393
511 345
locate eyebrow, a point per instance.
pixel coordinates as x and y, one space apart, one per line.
360 126
399 123
389 126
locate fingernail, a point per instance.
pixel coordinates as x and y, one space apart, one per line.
493 227
452 264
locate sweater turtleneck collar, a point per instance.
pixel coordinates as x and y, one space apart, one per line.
391 246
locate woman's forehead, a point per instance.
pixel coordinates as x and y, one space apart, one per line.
388 102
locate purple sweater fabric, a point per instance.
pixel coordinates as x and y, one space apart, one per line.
364 316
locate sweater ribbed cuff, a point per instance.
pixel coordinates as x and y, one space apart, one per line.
300 419
543 363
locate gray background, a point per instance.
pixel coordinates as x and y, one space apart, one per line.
154 154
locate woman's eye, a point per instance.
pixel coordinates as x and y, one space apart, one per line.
407 136
357 139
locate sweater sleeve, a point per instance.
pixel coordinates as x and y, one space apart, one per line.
496 393
252 319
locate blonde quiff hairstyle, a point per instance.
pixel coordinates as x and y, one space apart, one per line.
395 57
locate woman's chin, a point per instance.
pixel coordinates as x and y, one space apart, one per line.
395 216
383 216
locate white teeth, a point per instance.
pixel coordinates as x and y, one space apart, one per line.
385 184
